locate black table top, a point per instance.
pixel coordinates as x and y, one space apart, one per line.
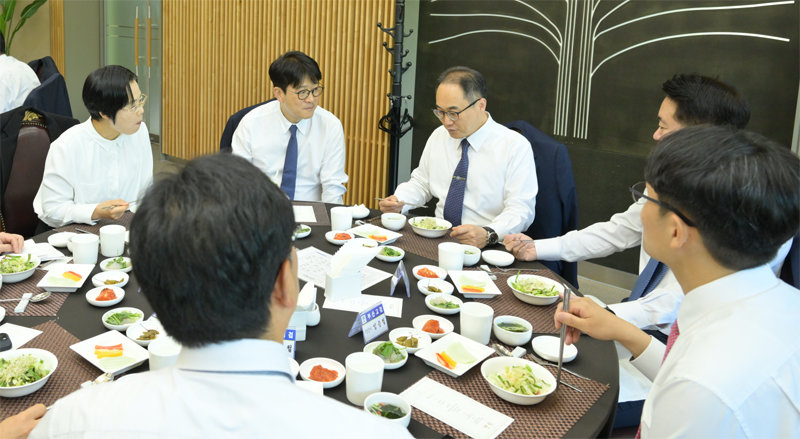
598 359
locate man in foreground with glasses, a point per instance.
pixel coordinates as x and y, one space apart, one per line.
100 168
299 145
719 205
482 172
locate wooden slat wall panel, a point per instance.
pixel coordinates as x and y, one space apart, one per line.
57 34
216 57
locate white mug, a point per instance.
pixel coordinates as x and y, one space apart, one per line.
84 248
476 321
364 375
341 218
451 256
112 240
163 352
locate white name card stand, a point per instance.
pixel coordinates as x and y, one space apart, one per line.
305 304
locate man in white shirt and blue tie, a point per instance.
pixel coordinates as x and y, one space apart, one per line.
482 172
299 145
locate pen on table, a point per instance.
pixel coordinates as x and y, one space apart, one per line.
413 206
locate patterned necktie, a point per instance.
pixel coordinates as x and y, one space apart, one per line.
652 274
290 164
454 203
674 332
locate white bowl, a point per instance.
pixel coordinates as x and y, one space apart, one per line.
530 298
393 221
302 234
423 339
446 297
440 272
393 399
369 348
359 211
546 346
424 284
327 363
134 331
329 236
10 278
385 258
429 233
444 324
495 365
366 242
104 265
50 363
473 256
510 337
60 239
498 258
100 278
91 296
125 326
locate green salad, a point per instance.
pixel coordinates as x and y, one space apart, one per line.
534 287
16 264
428 223
389 352
301 229
123 318
22 370
444 304
520 380
388 251
117 263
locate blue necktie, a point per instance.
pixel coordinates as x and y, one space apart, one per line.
652 274
290 164
454 203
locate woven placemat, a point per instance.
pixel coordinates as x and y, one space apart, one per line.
124 220
553 417
47 307
72 370
320 212
541 317
419 245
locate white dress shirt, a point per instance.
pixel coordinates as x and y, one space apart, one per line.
237 389
501 181
263 136
733 371
83 169
17 79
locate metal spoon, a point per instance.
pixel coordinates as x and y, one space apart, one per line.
37 298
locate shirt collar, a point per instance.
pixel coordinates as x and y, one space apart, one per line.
480 136
247 355
302 126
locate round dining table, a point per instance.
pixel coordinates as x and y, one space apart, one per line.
597 360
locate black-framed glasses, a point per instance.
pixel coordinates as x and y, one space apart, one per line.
303 94
637 192
452 115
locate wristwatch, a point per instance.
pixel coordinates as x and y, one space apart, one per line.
491 236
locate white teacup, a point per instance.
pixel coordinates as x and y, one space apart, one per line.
341 218
163 352
364 376
451 256
112 240
84 248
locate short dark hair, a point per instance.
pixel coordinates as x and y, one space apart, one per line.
704 100
741 189
207 245
291 68
470 80
107 90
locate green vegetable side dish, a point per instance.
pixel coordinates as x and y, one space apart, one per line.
123 318
390 252
428 223
513 327
445 304
519 380
16 264
470 252
117 263
534 287
22 370
388 411
388 352
300 229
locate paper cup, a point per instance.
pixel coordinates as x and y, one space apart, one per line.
364 375
84 248
341 218
112 240
163 352
476 321
451 256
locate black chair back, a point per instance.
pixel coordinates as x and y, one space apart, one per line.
233 122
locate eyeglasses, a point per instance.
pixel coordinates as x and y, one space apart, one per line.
303 94
452 115
637 192
137 104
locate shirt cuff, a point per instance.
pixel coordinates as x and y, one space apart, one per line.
548 249
649 361
82 213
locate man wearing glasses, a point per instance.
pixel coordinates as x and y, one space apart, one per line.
299 145
100 168
482 172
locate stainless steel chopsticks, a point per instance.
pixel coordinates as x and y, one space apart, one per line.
562 336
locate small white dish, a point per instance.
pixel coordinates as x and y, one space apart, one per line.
424 286
386 258
135 331
472 255
546 346
477 350
441 298
497 365
469 282
430 233
445 325
132 354
497 258
393 399
99 279
441 273
369 348
393 221
327 363
10 278
510 337
331 237
423 339
302 231
533 299
113 264
126 325
359 211
60 239
55 280
50 364
375 233
91 296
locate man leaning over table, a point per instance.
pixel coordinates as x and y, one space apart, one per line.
232 377
297 143
102 167
482 172
719 204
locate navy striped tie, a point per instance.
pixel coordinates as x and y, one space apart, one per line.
454 203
